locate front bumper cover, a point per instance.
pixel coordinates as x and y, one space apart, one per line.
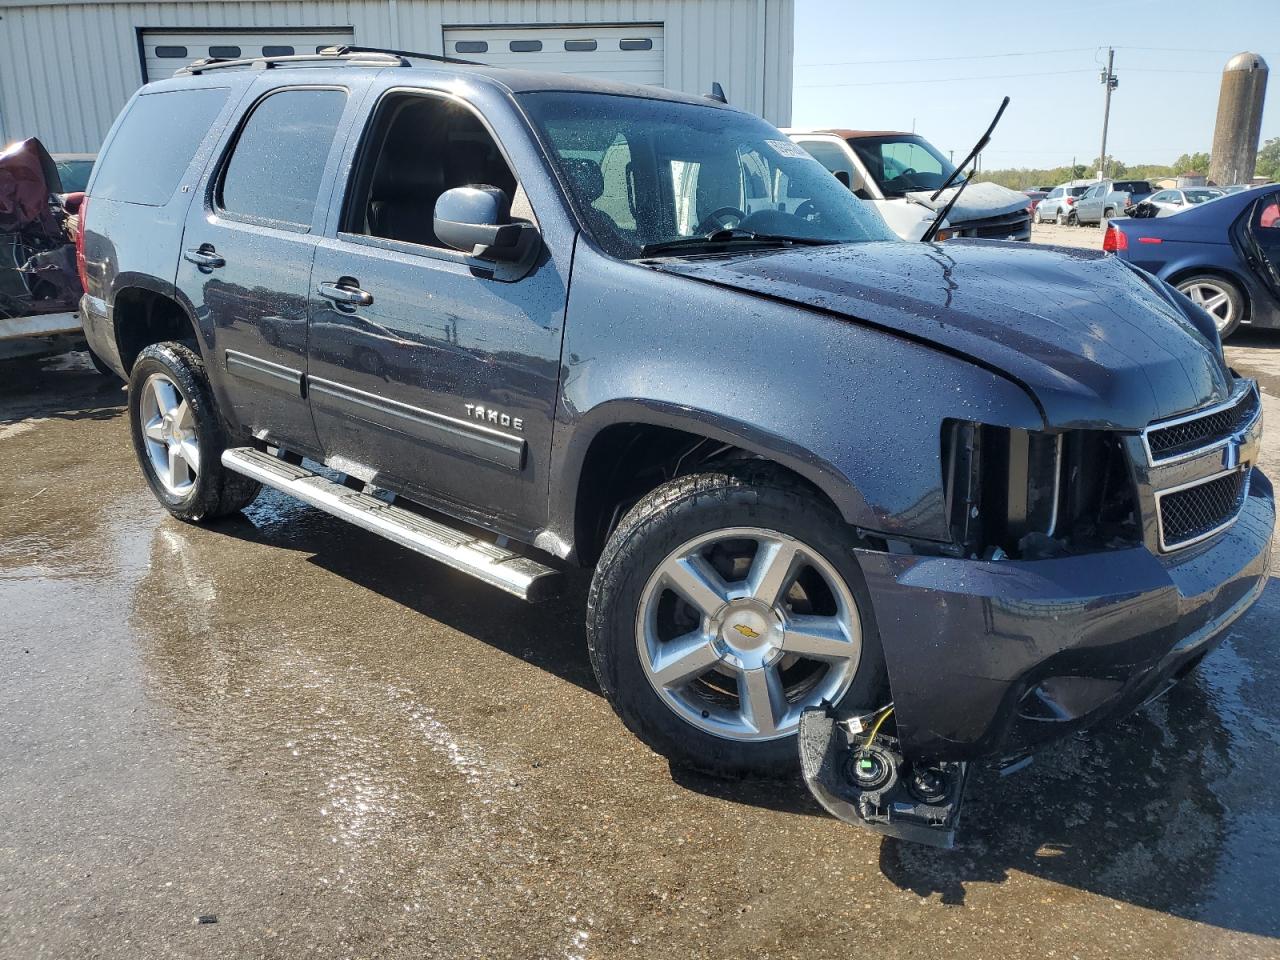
994 658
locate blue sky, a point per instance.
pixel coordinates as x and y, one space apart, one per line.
879 65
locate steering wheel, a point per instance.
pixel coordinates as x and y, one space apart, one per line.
907 172
711 221
806 211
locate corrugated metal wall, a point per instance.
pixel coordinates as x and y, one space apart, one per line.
67 68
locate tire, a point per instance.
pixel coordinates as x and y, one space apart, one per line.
1107 216
170 377
702 722
1219 297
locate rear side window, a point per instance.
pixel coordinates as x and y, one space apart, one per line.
278 159
155 143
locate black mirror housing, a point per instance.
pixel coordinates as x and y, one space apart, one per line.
477 221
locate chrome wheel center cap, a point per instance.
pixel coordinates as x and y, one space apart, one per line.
748 634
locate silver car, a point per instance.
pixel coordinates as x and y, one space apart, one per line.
1171 201
1059 203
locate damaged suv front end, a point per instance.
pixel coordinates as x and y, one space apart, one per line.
1066 571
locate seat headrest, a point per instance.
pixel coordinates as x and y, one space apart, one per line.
586 176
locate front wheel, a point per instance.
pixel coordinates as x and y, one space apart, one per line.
179 437
725 604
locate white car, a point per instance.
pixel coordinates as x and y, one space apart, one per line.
1172 201
1058 202
899 173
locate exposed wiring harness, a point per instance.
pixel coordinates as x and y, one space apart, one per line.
875 727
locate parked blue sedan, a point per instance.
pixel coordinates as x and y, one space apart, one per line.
1224 255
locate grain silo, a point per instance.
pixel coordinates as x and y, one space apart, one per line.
1235 137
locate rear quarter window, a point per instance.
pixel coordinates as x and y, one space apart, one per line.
154 144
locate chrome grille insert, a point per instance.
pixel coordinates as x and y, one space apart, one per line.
1196 511
1203 430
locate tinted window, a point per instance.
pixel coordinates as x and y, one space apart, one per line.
635 44
580 45
471 46
278 159
225 53
155 143
1132 186
277 51
171 52
525 46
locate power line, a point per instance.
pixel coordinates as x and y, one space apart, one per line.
982 56
994 76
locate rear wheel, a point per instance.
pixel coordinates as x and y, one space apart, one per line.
1219 297
1066 218
179 437
723 606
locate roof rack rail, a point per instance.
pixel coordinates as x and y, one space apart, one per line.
340 53
410 54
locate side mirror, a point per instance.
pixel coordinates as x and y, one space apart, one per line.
862 193
477 221
843 177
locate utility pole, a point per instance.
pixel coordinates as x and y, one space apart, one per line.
1109 81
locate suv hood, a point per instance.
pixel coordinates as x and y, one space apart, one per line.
979 200
1093 342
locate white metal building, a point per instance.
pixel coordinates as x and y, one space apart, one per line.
67 67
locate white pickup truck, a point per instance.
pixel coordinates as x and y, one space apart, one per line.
900 172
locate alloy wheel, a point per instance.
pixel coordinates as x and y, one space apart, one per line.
169 430
1214 299
739 630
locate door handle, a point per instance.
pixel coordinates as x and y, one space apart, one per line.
346 292
204 257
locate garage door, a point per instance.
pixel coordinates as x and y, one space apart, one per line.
164 51
628 54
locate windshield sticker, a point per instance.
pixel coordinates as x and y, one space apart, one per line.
787 148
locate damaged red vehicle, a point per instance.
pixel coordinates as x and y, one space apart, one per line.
40 286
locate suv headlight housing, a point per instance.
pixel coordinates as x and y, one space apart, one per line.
1032 494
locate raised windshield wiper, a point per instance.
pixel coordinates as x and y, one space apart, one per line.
977 149
731 236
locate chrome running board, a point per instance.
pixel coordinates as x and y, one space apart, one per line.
516 574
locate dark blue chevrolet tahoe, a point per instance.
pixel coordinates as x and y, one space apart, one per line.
866 508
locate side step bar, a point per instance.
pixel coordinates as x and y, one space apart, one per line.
496 566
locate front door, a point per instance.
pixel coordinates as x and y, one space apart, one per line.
246 258
432 372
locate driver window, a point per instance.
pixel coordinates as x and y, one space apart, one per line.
415 149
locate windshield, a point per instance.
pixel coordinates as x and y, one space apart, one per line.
74 174
644 173
901 163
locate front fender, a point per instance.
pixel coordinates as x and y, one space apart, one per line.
856 411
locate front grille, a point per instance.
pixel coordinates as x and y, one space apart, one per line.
1017 223
1196 432
1193 513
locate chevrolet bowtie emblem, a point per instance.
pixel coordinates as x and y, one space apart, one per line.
746 631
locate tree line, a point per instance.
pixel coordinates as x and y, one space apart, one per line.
1023 178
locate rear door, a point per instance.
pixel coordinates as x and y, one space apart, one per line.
248 246
1263 240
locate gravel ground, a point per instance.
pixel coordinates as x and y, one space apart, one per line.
325 746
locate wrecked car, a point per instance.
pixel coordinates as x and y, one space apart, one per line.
864 508
900 175
39 284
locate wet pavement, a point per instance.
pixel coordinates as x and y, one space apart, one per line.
326 746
